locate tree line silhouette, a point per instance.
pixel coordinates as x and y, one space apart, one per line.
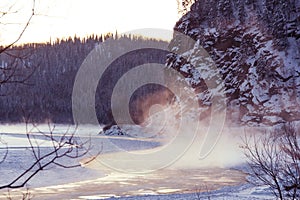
47 94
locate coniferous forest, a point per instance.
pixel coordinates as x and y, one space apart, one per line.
50 70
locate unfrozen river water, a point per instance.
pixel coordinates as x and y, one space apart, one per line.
92 183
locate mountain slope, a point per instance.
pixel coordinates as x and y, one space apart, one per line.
255 45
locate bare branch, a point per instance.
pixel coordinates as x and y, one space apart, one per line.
23 30
5 149
274 161
63 146
16 70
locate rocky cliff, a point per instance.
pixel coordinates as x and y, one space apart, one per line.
255 45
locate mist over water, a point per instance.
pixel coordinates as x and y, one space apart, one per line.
182 142
225 151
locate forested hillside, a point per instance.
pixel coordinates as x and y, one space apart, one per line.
255 46
47 93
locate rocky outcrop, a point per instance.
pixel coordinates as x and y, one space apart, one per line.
255 45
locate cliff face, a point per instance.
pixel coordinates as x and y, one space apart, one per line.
255 45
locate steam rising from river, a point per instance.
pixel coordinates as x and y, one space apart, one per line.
180 144
164 120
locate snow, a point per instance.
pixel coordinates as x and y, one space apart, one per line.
13 141
243 192
115 130
220 171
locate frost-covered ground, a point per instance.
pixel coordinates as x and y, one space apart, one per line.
188 178
243 192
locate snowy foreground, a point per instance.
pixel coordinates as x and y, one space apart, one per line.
219 176
243 192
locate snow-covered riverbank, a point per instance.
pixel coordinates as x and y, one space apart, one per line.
188 179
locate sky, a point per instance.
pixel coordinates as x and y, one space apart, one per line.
57 18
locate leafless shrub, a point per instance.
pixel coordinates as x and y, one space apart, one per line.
199 193
65 146
274 161
23 196
3 150
17 68
10 11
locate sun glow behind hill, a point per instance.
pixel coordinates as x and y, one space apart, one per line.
58 19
